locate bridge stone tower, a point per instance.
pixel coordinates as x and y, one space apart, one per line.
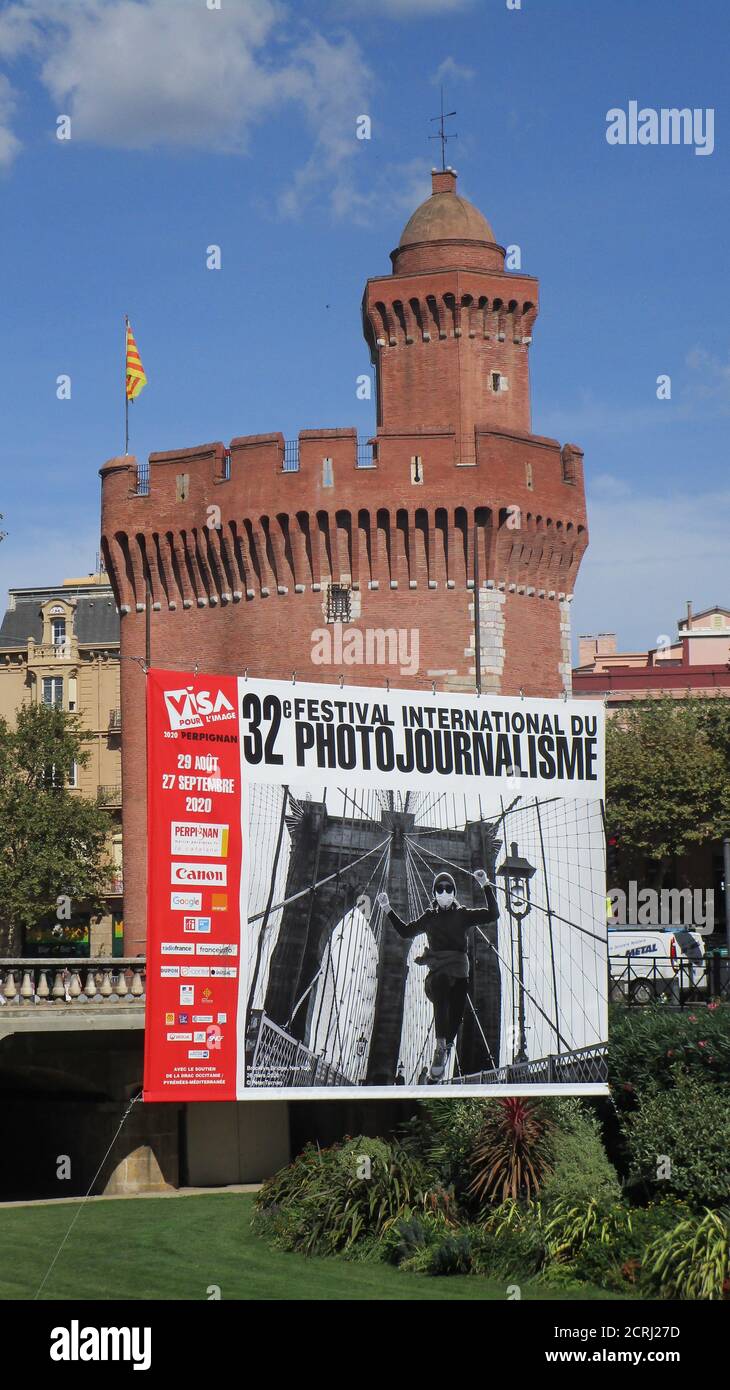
307 922
241 555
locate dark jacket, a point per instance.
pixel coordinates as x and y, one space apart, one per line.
447 932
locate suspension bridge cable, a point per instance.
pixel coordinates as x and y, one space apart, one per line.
320 884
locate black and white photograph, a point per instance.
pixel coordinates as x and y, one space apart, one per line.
415 938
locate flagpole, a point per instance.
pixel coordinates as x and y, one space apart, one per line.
126 397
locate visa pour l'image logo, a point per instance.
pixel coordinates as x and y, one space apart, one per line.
191 709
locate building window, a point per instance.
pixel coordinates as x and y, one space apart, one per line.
53 691
528 476
54 776
496 381
58 631
338 603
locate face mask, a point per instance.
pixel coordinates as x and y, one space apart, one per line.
444 899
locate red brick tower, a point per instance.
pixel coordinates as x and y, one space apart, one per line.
329 556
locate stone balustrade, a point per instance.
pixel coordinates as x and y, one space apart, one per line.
60 981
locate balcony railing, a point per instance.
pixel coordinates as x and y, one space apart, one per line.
143 480
366 455
50 651
109 796
44 983
116 887
291 455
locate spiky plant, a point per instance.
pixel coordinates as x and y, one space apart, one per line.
693 1260
571 1226
512 1154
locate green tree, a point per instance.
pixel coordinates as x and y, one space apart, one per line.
667 784
54 842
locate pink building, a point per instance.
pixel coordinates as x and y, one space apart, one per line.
697 662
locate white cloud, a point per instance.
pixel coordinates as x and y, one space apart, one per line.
398 187
608 486
420 9
143 74
647 555
9 142
588 413
707 387
450 69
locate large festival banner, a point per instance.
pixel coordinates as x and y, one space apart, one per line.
372 888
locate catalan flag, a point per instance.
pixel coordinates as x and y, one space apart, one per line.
135 373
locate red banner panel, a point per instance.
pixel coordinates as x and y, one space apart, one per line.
193 887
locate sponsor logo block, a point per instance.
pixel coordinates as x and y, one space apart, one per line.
223 972
179 1037
200 1055
204 875
197 837
187 994
169 972
186 902
219 902
194 972
220 948
196 924
177 948
193 709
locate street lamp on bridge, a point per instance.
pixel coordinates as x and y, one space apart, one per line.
517 873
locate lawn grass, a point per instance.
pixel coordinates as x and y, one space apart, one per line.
175 1248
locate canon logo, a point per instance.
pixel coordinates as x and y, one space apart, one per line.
215 874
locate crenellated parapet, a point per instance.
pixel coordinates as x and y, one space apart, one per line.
214 525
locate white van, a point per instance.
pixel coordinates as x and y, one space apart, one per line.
648 963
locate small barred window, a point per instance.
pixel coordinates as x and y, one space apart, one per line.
338 603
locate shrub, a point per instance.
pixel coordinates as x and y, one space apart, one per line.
454 1255
512 1247
328 1200
443 1135
409 1237
580 1168
692 1260
570 1227
646 1045
512 1153
690 1126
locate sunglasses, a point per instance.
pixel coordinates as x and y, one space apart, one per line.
444 888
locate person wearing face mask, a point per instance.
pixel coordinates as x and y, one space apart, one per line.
447 925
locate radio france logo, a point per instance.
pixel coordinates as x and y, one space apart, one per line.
191 709
198 924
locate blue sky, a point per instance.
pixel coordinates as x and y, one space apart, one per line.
236 127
